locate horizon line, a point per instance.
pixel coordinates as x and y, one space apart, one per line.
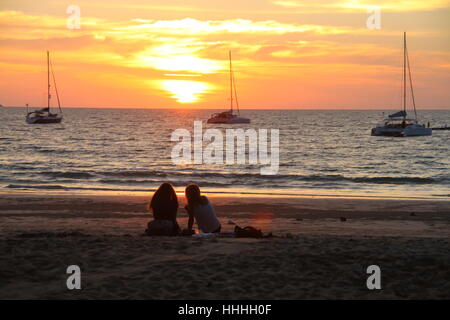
221 108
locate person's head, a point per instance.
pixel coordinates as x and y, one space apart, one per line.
193 195
165 195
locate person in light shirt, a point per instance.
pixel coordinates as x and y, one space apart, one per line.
200 209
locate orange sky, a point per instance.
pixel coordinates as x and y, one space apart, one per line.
164 53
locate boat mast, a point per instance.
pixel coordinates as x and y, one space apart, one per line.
235 94
410 83
231 82
404 74
48 81
56 87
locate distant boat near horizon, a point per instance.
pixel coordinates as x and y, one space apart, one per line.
397 124
229 117
44 115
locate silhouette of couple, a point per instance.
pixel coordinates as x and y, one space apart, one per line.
164 206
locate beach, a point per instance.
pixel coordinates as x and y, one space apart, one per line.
320 249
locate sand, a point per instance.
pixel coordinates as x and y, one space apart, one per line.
314 255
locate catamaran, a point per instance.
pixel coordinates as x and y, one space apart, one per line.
229 117
397 124
44 115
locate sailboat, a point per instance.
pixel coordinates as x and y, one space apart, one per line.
398 124
229 116
44 115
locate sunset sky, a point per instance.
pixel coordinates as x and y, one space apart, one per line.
166 53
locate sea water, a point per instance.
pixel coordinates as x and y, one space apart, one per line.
320 153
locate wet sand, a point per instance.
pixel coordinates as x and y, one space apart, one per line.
321 249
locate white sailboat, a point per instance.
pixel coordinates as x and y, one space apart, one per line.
229 117
44 115
398 124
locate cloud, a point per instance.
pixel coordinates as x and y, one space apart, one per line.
141 56
362 5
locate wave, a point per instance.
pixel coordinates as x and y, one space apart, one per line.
396 180
251 179
55 151
60 187
140 177
289 177
136 173
46 187
68 174
279 182
176 183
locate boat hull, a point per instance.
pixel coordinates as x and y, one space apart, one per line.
43 120
233 120
410 131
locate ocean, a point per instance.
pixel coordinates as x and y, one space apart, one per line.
325 153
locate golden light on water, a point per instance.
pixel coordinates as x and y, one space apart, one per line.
185 91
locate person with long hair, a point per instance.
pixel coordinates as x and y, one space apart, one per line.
200 209
164 206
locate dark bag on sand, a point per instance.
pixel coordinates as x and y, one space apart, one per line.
247 232
187 233
160 228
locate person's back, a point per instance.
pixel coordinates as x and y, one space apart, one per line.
200 209
164 206
206 217
165 210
